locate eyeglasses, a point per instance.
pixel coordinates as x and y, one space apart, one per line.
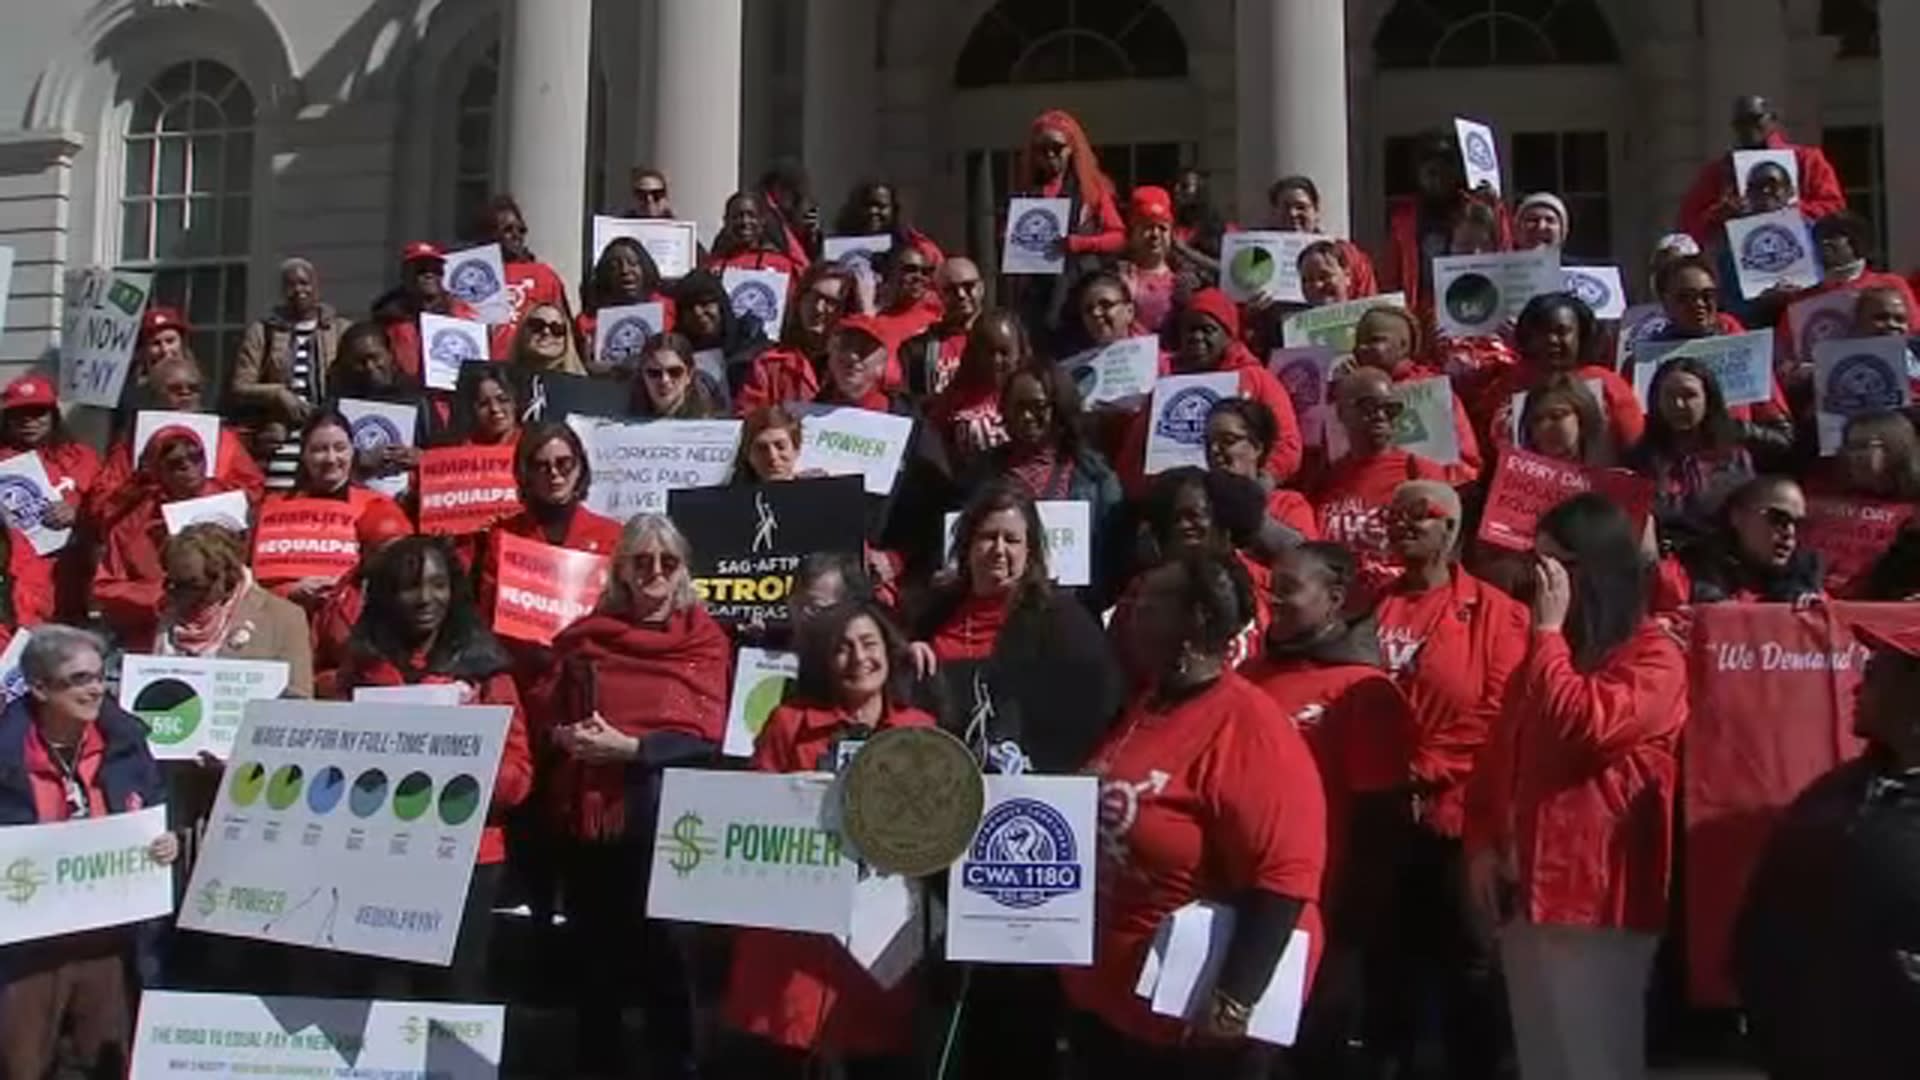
546 328
1780 520
647 562
664 374
1414 514
1387 408
81 680
565 466
649 194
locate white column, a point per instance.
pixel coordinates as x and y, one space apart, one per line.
1290 65
1899 87
547 58
696 105
840 122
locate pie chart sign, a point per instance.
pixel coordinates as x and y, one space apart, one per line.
369 793
413 796
324 794
459 800
171 708
248 782
284 789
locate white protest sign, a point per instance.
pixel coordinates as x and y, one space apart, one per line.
227 509
1023 892
1069 526
1638 323
1853 377
856 250
6 282
376 425
1745 161
26 494
1773 250
417 694
1036 230
1185 959
1265 263
1598 287
478 275
759 293
1825 317
674 245
841 440
1479 154
68 876
1331 325
348 827
205 427
1477 294
98 328
193 705
619 333
1119 375
760 681
750 849
13 685
636 464
1742 363
713 364
1306 373
214 1036
1177 434
445 344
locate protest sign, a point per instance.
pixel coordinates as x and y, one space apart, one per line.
619 333
1425 425
1119 375
1599 287
857 250
1331 325
69 876
1773 250
6 282
99 325
747 541
376 425
1184 962
543 589
750 849
478 276
1638 324
1824 317
674 245
635 465
465 489
840 440
759 293
348 827
445 344
1851 535
26 494
1527 485
1478 294
1853 377
1036 235
205 427
551 397
760 681
302 538
1745 161
1742 364
1177 432
215 1036
1263 263
1307 375
1023 892
1068 524
13 685
1479 154
194 705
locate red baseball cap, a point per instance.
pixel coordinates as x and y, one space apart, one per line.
862 324
421 251
30 391
163 318
1150 203
1904 640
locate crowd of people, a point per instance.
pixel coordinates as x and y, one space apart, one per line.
1309 692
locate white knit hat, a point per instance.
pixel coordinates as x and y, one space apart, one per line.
1548 200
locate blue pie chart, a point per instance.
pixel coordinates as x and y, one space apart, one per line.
325 791
369 793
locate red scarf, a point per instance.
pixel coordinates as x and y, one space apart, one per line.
203 632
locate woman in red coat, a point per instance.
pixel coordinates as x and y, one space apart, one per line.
550 465
175 385
1570 812
801 997
744 241
30 423
131 577
1557 334
793 369
326 473
623 275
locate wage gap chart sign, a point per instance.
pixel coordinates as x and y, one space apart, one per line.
348 827
194 705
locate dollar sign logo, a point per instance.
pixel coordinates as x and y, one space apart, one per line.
207 900
412 1030
23 880
689 844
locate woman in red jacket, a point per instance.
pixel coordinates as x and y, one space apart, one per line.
1570 811
30 423
326 472
967 413
128 584
175 385
1058 161
623 274
801 998
420 628
1295 204
793 369
1240 437
550 465
333 625
1557 333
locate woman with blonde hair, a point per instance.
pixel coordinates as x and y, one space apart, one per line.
545 342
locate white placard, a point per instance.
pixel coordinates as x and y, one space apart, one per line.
1036 233
215 1036
759 293
1068 523
348 827
674 245
1331 325
67 876
858 251
1773 250
1745 161
417 694
193 705
1825 317
6 282
1853 377
445 344
227 509
99 327
1476 295
760 681
478 275
1118 376
26 494
636 464
1742 363
1177 434
1638 324
619 333
886 936
1185 959
1023 892
1479 154
376 425
205 426
13 685
840 440
1306 373
750 849
1263 263
1598 287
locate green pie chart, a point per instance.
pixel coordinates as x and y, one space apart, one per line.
171 708
248 782
413 796
369 793
762 700
1251 268
459 799
284 789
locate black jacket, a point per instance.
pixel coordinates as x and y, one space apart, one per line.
1717 575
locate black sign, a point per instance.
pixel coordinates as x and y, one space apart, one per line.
748 540
551 398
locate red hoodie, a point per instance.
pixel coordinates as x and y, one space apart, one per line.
1701 213
112 493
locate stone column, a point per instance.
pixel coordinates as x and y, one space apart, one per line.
1290 65
1900 86
696 105
840 115
548 58
1746 51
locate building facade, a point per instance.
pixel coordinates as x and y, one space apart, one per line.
206 139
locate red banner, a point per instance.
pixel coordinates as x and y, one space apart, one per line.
1850 534
1527 485
303 538
543 588
1772 709
465 489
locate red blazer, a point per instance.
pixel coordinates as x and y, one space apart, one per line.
1702 217
113 494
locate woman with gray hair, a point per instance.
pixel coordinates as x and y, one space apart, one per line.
279 374
643 687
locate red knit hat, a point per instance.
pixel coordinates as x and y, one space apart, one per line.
1150 203
1214 305
30 391
163 318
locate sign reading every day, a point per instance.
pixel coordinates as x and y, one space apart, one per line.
69 876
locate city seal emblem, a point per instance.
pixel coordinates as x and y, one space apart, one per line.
1036 230
451 348
22 503
625 338
1588 288
1862 383
472 280
755 298
375 433
1479 151
913 799
1771 249
1184 420
1023 856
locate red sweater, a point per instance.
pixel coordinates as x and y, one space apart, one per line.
1701 214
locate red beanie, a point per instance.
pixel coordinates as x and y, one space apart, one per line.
1150 203
1214 305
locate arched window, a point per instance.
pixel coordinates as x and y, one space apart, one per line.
475 132
186 204
1494 33
1856 23
1052 41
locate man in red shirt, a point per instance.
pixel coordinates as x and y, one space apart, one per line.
1717 194
929 359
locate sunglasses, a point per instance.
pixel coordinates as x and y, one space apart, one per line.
546 328
1381 407
565 466
664 374
647 562
80 680
1781 520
